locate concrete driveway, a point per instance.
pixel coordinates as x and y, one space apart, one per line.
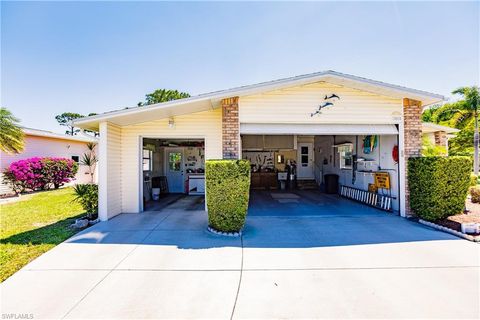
356 263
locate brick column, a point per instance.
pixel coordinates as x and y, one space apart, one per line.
412 117
230 128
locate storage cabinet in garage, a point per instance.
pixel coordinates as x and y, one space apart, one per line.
264 180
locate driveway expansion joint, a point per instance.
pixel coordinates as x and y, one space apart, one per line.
239 280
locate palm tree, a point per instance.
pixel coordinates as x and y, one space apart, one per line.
11 135
462 113
471 95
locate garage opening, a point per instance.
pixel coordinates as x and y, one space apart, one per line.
318 173
173 170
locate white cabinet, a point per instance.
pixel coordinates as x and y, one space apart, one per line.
196 184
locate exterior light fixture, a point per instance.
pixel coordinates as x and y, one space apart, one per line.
171 123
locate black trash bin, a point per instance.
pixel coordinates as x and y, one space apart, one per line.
331 183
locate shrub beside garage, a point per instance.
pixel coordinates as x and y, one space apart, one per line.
39 173
438 186
227 184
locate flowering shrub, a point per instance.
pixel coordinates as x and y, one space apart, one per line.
39 173
58 171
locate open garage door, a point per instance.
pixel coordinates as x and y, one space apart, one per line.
318 129
299 165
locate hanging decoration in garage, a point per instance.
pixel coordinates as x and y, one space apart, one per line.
369 144
395 154
329 100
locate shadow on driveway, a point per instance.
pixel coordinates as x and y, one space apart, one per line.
314 221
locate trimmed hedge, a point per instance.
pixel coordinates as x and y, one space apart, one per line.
227 184
438 185
473 180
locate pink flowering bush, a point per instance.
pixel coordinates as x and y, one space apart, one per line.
39 173
58 171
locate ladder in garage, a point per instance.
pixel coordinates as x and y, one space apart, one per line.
373 199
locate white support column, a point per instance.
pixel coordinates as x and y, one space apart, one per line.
402 169
109 188
102 172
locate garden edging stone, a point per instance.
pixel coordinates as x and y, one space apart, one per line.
451 231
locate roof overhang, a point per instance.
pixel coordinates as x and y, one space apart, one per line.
53 135
428 127
212 100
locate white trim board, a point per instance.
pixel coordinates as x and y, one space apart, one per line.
317 129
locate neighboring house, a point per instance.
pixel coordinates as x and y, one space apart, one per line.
438 134
363 126
41 143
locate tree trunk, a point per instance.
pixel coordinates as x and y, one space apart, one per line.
475 146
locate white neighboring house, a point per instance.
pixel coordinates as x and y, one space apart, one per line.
41 143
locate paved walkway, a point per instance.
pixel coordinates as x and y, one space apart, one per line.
165 265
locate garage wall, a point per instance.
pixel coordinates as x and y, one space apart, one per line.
204 125
109 171
294 105
382 155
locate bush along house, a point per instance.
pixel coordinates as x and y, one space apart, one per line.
329 131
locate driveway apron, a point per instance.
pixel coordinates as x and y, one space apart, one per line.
325 259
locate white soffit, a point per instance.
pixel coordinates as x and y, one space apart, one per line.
317 129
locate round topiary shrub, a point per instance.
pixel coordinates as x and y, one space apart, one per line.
227 184
438 186
475 194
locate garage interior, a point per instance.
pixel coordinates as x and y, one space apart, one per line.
322 169
172 169
314 171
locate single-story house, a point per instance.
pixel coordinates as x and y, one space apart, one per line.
41 143
324 129
438 134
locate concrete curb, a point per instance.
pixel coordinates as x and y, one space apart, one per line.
451 231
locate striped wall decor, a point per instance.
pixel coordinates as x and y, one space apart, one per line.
372 199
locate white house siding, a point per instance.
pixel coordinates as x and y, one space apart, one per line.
202 125
294 105
110 171
382 155
46 147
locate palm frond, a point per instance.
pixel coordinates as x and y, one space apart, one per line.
11 135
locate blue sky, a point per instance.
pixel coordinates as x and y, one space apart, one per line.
99 56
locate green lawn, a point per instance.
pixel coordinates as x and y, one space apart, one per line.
34 225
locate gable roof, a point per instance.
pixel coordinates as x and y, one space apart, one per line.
48 134
428 127
212 100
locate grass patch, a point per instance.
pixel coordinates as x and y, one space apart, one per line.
34 225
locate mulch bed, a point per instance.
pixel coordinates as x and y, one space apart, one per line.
455 222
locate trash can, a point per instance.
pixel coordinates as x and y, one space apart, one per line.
156 188
155 194
331 183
